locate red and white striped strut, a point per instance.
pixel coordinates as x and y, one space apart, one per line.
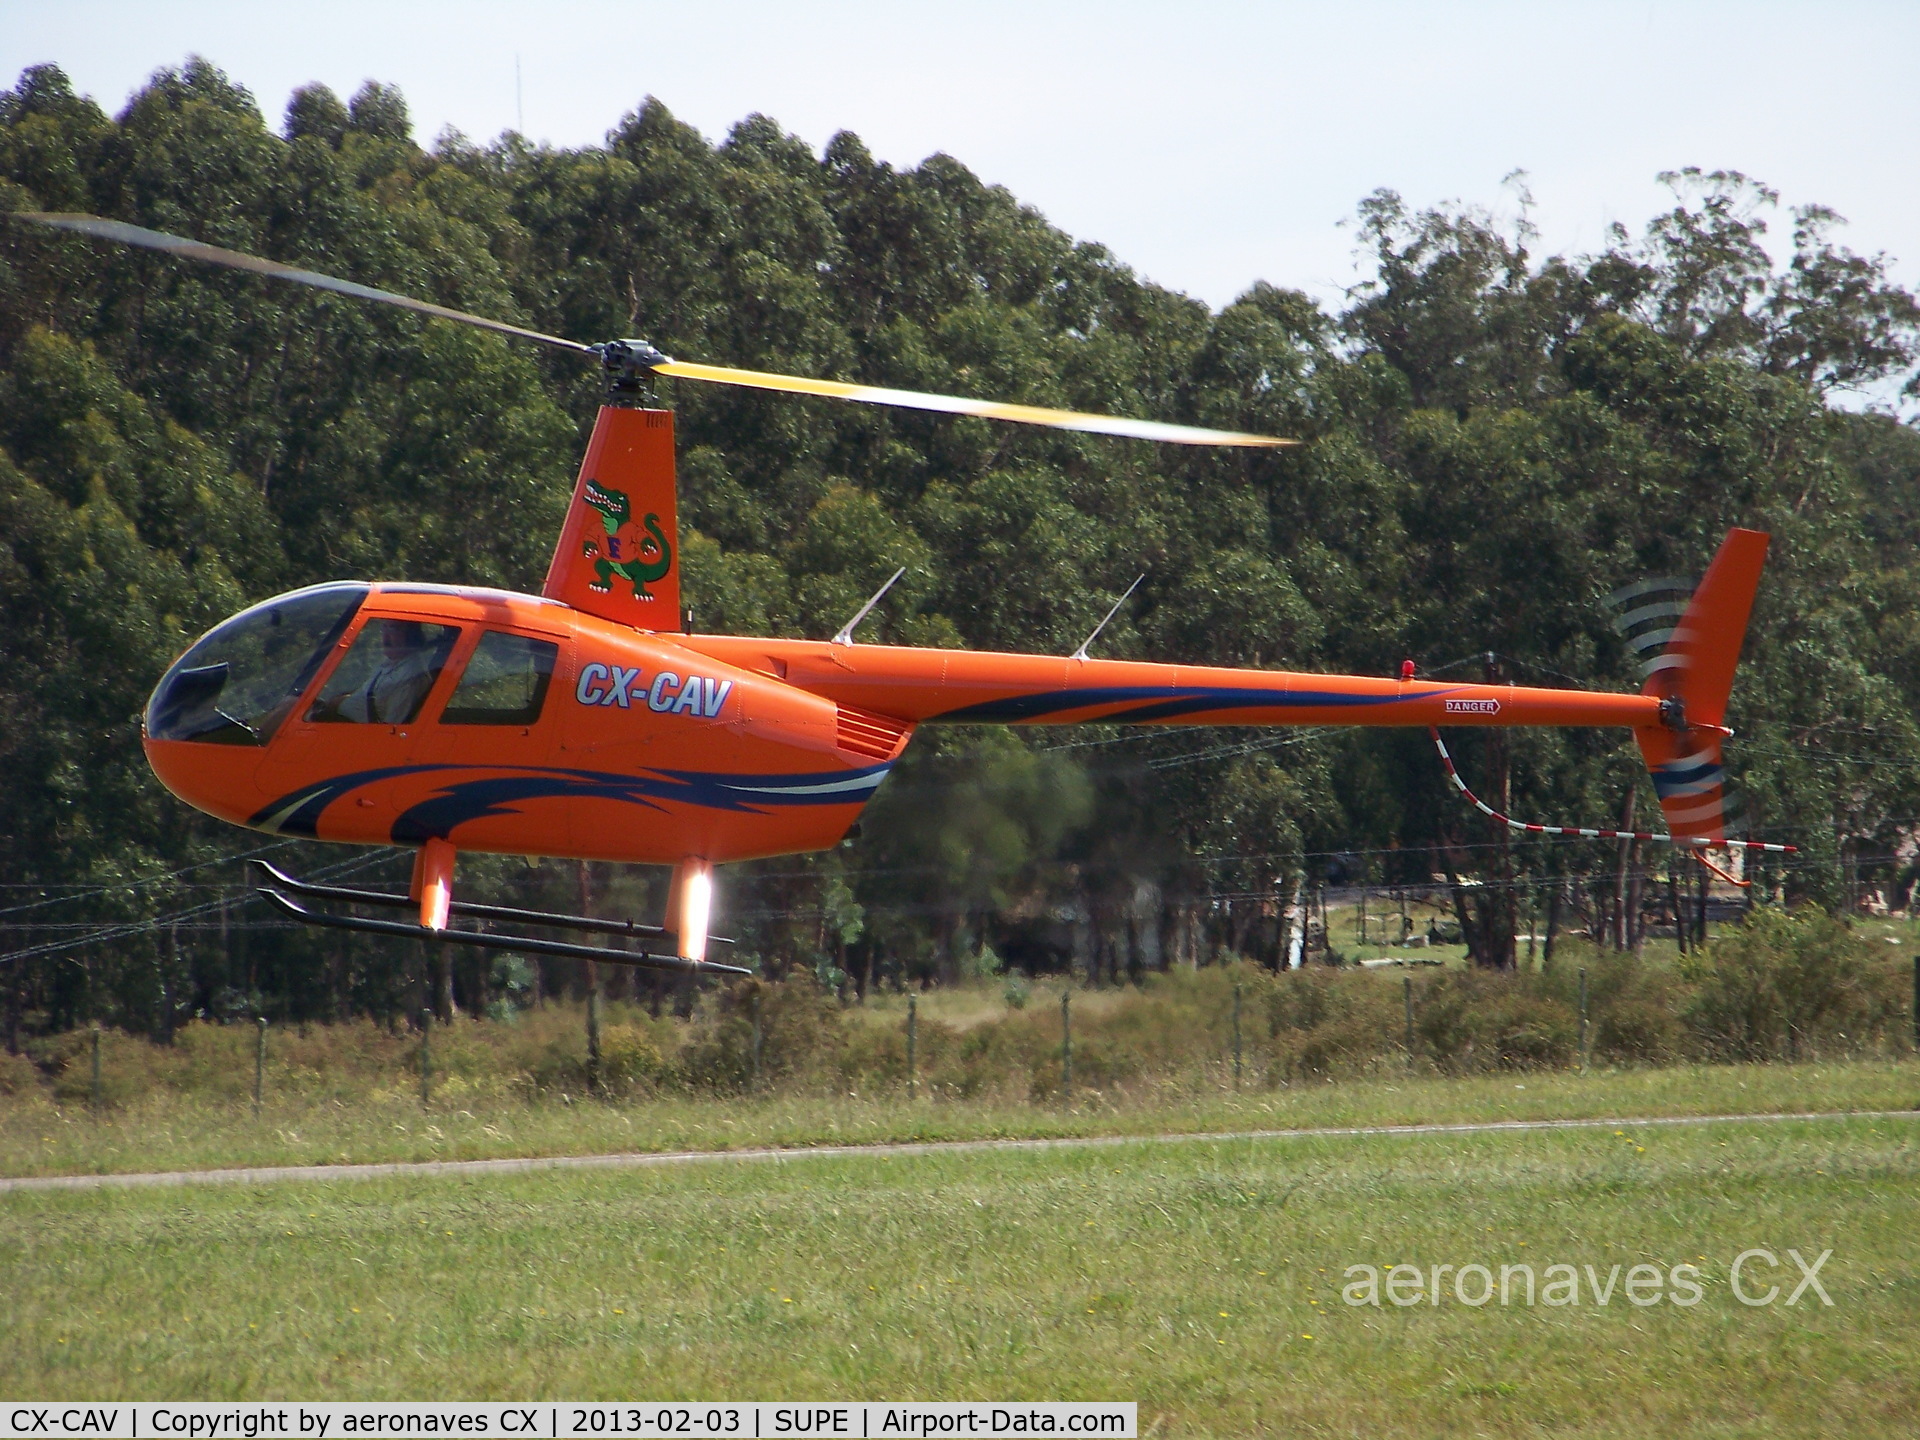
1696 844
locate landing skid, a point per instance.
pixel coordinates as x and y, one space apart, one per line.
279 883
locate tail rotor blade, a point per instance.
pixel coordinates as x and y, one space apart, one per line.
125 234
961 405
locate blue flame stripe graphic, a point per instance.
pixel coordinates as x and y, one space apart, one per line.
457 801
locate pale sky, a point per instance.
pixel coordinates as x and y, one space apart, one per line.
1207 145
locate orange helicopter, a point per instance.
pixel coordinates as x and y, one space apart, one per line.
589 722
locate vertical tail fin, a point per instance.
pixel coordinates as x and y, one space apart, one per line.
619 550
1695 675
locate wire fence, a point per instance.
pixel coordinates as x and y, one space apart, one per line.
1244 1031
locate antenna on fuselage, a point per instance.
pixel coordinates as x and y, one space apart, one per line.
845 635
1081 653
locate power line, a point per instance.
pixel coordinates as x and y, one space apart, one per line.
135 885
1222 752
141 927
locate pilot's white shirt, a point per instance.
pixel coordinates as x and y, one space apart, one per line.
393 691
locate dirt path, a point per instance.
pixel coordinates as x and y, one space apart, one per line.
267 1174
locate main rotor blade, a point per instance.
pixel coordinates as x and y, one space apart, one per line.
631 357
960 405
126 234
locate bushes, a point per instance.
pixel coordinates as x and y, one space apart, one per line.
1780 987
1469 1020
1632 1016
18 1078
801 1033
1322 1024
630 1062
1790 986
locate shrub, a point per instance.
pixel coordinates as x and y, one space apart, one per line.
18 1077
1471 1020
629 1059
1632 1008
1787 984
802 1033
1323 1024
129 1067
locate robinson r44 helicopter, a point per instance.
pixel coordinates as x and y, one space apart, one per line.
587 721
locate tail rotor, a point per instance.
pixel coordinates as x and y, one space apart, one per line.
1692 673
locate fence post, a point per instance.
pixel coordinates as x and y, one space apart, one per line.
757 1038
913 1026
426 1057
1407 982
593 1036
94 1092
1066 1045
1583 1020
1916 1002
1236 1036
259 1060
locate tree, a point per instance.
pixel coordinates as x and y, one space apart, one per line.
1496 440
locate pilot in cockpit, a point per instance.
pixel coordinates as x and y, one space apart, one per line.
399 681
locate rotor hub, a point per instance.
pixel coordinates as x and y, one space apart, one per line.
629 367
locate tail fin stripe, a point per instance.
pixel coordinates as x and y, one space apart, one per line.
1698 782
1691 767
1710 811
1658 610
1682 792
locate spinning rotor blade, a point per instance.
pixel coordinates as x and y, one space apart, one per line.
127 234
631 358
960 405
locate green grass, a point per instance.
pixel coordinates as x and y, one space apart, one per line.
168 1130
1187 1277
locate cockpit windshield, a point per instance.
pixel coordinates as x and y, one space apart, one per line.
241 679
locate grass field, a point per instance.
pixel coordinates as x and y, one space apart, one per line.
167 1130
1201 1279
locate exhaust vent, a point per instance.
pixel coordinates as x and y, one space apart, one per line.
879 737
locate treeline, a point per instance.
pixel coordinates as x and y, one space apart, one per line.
1496 440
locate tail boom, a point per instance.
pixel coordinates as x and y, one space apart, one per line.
970 687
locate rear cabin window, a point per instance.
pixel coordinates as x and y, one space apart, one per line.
386 676
505 683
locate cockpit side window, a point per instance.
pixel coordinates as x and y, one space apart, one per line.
386 676
242 678
505 682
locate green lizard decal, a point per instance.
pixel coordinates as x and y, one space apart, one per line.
627 548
